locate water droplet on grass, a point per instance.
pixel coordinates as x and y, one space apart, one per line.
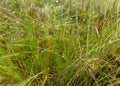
13 12
67 31
57 1
63 55
33 22
83 19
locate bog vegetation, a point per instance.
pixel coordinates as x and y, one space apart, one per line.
59 43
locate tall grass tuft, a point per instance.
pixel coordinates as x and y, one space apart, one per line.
59 43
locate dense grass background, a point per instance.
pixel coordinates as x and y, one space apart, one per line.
59 43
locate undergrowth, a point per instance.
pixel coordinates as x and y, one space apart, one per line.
59 43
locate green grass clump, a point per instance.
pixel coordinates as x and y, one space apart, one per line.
59 43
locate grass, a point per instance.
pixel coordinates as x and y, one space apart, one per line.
59 43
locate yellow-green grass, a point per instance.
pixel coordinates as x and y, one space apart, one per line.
66 43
